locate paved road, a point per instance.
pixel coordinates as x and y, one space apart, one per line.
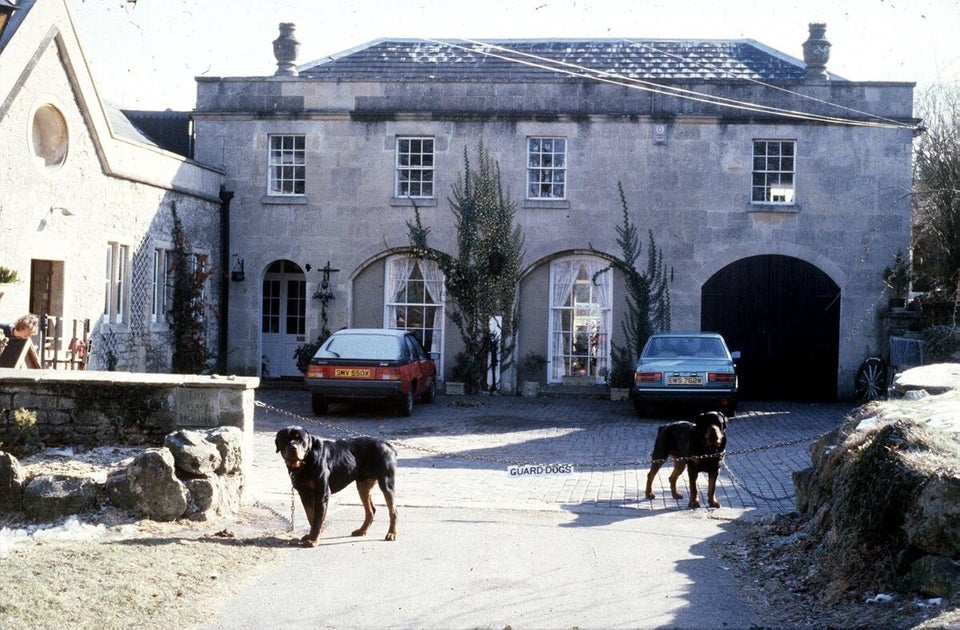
481 548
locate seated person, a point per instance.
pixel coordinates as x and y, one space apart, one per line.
25 327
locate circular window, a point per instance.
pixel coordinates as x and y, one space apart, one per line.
49 136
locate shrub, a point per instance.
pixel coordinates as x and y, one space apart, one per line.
25 437
7 275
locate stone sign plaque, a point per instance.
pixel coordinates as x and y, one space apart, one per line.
196 407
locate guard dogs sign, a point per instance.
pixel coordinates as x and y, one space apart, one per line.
539 470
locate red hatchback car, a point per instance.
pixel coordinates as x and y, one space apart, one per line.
372 364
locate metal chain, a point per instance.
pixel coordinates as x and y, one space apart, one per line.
264 506
756 495
510 462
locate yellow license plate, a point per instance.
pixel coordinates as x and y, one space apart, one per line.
351 373
684 380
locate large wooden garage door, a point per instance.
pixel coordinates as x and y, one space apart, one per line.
783 315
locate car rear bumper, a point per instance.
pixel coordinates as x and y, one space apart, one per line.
355 389
721 399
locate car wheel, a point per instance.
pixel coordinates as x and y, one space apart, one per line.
871 380
639 408
431 394
319 404
405 408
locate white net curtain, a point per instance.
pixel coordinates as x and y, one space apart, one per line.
579 319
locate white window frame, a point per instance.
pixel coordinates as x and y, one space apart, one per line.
392 309
286 165
598 309
770 170
544 166
163 278
160 286
414 169
117 282
198 264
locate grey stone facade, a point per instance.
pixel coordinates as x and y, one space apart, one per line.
79 181
686 166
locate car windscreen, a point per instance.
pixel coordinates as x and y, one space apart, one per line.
686 347
372 347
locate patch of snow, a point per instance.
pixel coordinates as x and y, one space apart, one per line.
71 529
879 598
946 423
868 423
59 452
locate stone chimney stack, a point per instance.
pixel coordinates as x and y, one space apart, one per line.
285 49
816 53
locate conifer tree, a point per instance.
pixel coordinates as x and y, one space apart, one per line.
481 279
187 315
647 295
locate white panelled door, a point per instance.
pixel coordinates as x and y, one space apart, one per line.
282 318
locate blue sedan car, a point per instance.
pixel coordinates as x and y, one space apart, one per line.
689 369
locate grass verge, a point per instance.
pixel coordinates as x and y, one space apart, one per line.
174 575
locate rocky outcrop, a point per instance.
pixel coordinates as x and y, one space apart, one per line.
882 497
196 475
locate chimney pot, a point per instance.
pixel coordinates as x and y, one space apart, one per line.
285 49
816 53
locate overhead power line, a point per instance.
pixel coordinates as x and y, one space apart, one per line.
771 86
575 70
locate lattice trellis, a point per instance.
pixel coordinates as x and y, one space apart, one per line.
140 289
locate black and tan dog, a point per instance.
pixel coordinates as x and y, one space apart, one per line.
319 468
698 447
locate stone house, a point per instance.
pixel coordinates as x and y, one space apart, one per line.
86 204
777 191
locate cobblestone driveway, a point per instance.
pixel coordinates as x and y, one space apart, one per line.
455 453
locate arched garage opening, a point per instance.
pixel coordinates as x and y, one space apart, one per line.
783 315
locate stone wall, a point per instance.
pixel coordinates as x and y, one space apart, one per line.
89 408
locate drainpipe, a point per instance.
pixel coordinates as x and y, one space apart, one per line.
225 197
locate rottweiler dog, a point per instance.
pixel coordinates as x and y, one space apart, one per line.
698 447
319 468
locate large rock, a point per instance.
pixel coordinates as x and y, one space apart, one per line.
12 479
885 483
935 576
149 487
194 455
933 524
49 497
229 442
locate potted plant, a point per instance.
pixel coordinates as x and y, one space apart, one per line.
621 373
531 371
898 279
7 276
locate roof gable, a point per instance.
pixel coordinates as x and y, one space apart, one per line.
123 150
541 60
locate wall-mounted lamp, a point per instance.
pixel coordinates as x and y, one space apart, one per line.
324 294
236 274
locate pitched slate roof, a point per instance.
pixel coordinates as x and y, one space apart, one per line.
524 60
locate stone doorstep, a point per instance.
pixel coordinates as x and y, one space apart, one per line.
599 392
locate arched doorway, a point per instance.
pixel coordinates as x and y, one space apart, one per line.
283 318
579 321
783 315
